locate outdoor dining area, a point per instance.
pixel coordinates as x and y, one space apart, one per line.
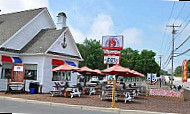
109 84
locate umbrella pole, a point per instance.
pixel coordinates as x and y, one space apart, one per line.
113 94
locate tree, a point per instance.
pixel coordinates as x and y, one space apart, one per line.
178 71
92 54
163 72
143 62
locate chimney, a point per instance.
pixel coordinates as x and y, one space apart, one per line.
61 22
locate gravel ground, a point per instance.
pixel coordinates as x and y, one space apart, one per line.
140 103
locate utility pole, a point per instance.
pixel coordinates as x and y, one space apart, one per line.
160 56
173 34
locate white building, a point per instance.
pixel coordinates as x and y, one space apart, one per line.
30 37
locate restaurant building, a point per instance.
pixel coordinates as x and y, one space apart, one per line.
31 37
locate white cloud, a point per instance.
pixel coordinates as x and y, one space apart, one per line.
103 25
77 34
132 37
7 6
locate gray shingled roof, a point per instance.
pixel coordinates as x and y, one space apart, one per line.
42 41
10 23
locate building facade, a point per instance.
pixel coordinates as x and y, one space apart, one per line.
31 37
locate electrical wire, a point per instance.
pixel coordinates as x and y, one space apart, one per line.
166 27
180 12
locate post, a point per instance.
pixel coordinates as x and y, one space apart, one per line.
113 94
172 57
160 56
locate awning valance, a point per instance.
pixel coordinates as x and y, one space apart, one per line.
71 63
57 62
61 62
11 59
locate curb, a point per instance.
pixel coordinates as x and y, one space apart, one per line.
83 107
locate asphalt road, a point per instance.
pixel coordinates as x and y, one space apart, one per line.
33 108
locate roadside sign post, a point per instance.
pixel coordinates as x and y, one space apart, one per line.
112 46
113 94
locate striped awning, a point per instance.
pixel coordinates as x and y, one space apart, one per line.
11 59
58 62
71 63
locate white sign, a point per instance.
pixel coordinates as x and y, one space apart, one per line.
18 68
112 42
152 77
111 59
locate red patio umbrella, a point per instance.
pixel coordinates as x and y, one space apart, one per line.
86 71
98 72
117 70
137 74
65 67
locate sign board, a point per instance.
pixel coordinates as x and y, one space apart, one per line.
185 74
112 58
152 77
111 52
18 68
112 42
164 93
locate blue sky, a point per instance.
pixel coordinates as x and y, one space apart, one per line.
142 22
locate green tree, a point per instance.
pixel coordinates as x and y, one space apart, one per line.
163 72
143 61
178 71
92 54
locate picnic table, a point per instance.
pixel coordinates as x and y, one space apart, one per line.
107 93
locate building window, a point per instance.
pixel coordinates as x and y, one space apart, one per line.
31 71
6 70
61 76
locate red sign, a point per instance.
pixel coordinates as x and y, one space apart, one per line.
185 74
165 93
112 42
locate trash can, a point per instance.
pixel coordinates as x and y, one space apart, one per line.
34 87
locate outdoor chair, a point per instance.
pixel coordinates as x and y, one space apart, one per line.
127 97
92 91
133 94
75 92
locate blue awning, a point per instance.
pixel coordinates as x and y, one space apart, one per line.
71 63
16 60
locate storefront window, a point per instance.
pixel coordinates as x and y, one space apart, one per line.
31 71
6 70
61 76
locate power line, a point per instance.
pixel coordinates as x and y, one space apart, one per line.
180 12
167 64
182 43
183 28
169 57
167 23
182 53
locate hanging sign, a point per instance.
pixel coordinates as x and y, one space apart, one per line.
112 42
111 59
18 68
185 74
